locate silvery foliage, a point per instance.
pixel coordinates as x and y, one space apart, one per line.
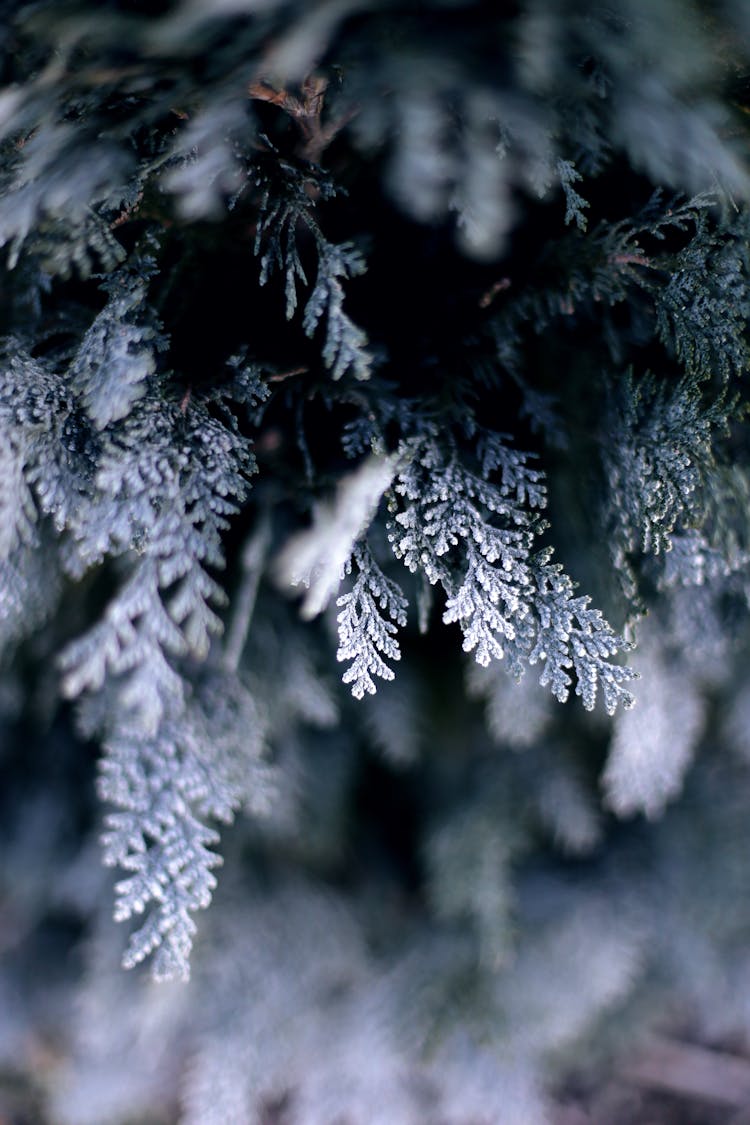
292 1005
702 309
285 209
334 547
654 744
42 466
575 204
469 860
166 766
659 458
344 1039
317 558
106 470
116 353
517 714
333 1064
398 732
477 539
369 614
169 788
105 465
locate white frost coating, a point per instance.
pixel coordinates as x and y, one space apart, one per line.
517 712
654 743
476 537
370 613
316 558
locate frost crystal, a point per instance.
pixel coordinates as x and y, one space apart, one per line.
286 205
369 614
476 538
317 558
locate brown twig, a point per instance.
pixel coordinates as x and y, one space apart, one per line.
487 298
127 212
632 259
282 375
692 1072
306 110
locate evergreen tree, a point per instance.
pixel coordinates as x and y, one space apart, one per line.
374 538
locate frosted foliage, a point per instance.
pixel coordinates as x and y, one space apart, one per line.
167 768
116 1067
517 712
476 538
40 463
576 960
575 204
59 179
702 310
323 1043
657 454
330 1048
360 241
482 195
697 624
469 862
565 806
692 561
345 345
316 558
286 207
133 643
106 1094
201 763
35 411
30 586
579 965
474 169
116 354
307 695
663 136
133 486
220 1085
347 1082
653 745
423 168
207 171
367 620
483 1087
395 720
17 509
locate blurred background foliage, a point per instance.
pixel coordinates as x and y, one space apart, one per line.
294 293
